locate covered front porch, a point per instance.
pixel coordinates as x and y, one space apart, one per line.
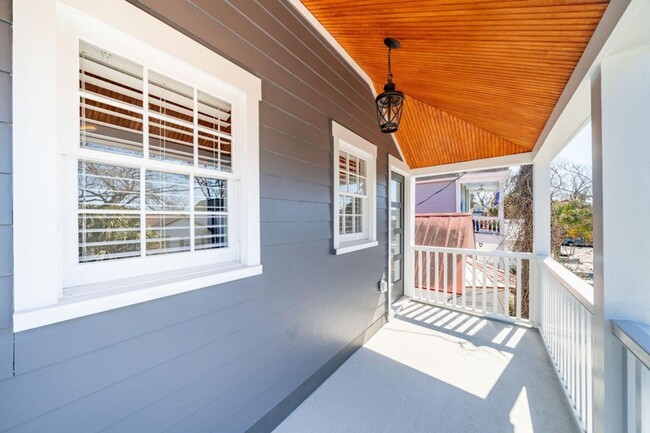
434 369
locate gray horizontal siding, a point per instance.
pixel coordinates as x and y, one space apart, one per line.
221 358
6 211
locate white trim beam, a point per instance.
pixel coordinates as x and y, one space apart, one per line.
478 164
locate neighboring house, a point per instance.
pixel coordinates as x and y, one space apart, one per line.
462 193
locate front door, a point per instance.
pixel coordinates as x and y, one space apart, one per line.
397 236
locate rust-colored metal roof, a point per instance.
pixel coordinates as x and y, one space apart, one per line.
454 230
481 77
447 230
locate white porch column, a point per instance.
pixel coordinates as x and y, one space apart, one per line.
541 227
620 102
542 207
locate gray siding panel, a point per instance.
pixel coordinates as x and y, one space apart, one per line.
6 354
5 97
224 357
6 208
5 151
6 300
281 143
5 193
5 46
293 211
6 253
6 11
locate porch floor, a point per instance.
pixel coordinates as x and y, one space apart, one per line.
436 370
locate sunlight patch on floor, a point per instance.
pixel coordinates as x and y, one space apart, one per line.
520 414
453 360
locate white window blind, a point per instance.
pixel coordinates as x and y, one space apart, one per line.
353 197
138 210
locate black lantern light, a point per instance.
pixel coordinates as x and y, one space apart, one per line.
390 101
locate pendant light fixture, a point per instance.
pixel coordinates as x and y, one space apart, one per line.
390 101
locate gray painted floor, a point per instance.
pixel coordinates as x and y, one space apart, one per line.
434 370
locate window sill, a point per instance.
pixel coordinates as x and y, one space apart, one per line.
349 247
95 298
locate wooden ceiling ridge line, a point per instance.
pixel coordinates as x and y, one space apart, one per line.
473 125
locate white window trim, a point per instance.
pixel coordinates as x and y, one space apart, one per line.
37 156
348 141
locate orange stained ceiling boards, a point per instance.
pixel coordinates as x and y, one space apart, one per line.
480 77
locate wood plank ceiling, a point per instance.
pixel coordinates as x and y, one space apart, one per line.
481 77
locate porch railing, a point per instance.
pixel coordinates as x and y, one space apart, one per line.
487 282
635 338
490 225
565 308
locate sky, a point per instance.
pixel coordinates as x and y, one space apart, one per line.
579 149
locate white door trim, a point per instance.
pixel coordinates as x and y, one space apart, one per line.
400 167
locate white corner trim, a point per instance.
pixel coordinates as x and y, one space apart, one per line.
478 164
354 246
398 166
130 292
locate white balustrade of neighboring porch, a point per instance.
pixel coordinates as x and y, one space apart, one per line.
490 225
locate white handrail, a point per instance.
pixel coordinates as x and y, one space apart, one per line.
565 323
469 251
635 338
579 289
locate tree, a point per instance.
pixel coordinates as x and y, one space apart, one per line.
518 207
571 204
571 210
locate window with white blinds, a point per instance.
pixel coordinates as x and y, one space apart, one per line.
354 191
145 156
157 182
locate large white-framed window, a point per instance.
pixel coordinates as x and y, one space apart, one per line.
149 164
354 188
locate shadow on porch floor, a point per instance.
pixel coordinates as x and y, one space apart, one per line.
435 370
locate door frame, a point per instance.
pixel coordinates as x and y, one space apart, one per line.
400 167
